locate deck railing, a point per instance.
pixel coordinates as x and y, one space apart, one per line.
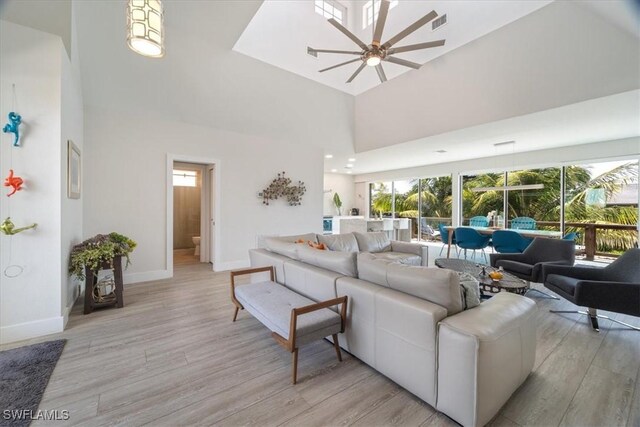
588 230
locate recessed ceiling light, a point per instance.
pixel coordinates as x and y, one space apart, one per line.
329 156
334 170
441 151
349 172
349 165
351 160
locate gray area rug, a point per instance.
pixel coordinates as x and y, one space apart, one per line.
24 375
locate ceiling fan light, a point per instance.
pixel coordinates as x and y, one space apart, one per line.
373 60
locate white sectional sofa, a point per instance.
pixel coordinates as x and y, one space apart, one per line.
409 322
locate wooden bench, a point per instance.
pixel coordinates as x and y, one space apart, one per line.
294 320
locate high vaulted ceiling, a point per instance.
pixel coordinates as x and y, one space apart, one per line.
280 32
567 73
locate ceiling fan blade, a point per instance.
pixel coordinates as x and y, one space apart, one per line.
353 76
383 77
410 29
418 46
403 62
348 34
382 19
346 52
339 65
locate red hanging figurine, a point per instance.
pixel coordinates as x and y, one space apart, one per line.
13 181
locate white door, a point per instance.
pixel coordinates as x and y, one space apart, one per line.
212 214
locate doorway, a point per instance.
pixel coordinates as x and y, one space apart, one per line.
191 212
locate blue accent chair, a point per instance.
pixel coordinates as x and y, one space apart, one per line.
479 221
468 238
571 236
523 223
444 236
506 241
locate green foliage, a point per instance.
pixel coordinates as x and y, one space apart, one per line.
337 201
432 196
93 252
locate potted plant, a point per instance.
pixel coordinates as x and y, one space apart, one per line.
98 251
338 203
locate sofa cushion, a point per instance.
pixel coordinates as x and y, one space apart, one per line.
340 262
282 247
340 242
437 285
373 269
515 266
373 242
287 245
401 257
271 304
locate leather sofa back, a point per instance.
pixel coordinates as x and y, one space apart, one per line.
339 262
312 282
373 242
286 245
437 285
340 242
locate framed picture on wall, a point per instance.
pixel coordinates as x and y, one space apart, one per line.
74 178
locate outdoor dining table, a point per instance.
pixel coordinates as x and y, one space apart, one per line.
490 230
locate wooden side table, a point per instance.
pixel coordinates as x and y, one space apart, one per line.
92 279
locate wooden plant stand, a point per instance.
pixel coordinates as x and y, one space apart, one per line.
92 279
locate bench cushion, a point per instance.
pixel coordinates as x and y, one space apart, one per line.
272 303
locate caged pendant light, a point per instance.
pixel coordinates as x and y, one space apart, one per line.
145 27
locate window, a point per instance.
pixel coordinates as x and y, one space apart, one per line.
368 13
331 9
183 178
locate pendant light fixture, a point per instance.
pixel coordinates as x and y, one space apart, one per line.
145 27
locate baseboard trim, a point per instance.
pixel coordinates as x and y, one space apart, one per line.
146 276
232 265
34 329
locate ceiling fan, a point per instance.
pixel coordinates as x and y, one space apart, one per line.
373 54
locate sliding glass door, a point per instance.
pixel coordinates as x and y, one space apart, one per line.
601 207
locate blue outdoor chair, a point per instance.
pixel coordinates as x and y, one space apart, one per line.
468 238
479 221
571 236
523 223
506 241
444 235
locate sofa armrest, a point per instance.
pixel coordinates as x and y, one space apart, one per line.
536 271
484 355
412 248
586 273
493 258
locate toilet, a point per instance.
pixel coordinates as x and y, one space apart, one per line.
196 241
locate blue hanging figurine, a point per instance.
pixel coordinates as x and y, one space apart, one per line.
13 127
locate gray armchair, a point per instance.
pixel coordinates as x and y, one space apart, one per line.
613 288
542 251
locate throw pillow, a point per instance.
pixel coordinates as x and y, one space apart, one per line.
470 289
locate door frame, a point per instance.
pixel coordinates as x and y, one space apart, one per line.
171 158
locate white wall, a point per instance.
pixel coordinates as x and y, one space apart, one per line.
72 128
30 304
125 185
561 54
344 186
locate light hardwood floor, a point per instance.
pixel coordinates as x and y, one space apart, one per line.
172 356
